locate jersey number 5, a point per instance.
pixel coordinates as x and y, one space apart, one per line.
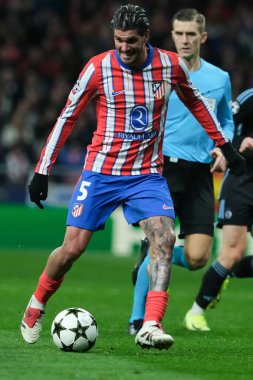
83 190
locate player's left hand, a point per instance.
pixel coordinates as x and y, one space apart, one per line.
219 165
38 189
235 161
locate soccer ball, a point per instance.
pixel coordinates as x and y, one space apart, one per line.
74 329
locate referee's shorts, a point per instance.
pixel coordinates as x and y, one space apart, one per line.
191 188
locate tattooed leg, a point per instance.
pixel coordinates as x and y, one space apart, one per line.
160 232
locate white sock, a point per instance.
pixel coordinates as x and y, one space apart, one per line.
36 304
196 309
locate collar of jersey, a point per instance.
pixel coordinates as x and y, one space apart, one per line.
148 60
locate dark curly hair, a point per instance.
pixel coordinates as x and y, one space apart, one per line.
129 17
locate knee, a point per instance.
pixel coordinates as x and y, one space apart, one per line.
170 240
197 260
237 255
161 235
166 244
163 246
231 257
196 263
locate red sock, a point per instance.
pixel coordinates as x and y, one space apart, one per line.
46 287
156 305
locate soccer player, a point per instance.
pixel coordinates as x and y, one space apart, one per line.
130 86
190 158
235 217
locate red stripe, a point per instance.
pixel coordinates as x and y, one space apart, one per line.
157 76
139 97
120 113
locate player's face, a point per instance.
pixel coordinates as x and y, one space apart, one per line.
131 47
188 38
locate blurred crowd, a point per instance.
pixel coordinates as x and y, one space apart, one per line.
44 45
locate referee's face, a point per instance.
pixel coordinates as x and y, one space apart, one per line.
131 47
188 38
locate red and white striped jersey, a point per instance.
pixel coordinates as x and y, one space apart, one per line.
131 108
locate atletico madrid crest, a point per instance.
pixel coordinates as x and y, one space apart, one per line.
158 89
77 210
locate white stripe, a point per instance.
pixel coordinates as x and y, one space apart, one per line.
83 82
166 75
130 99
50 147
98 163
126 145
149 102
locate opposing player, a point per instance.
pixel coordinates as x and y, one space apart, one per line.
190 157
130 86
235 217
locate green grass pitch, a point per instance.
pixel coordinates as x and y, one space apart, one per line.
102 284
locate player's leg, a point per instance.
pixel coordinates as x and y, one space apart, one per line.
140 294
234 215
198 244
196 216
58 264
197 249
160 232
233 248
244 268
83 219
149 204
234 244
142 286
143 253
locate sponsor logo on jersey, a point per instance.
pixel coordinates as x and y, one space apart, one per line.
211 102
76 86
118 92
158 89
74 91
136 136
139 118
165 207
77 210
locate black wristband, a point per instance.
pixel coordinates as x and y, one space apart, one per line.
228 151
235 161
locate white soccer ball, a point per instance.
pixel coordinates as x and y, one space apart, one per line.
74 329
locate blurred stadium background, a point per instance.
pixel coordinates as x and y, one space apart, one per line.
44 45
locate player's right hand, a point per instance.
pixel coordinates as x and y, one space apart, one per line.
38 189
